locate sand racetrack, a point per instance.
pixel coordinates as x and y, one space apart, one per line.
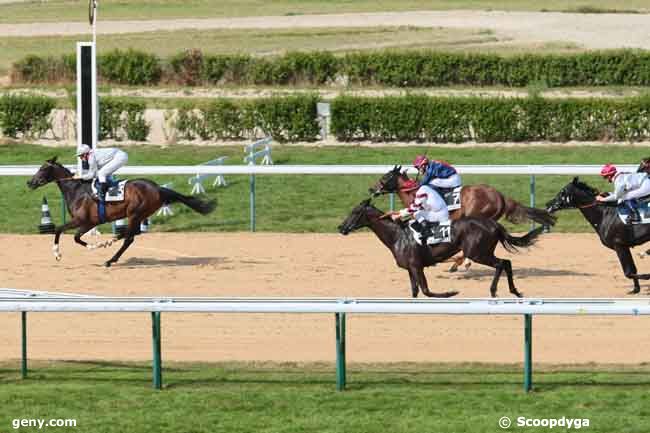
311 265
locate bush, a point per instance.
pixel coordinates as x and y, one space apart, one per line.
431 119
26 116
129 67
121 118
385 68
291 118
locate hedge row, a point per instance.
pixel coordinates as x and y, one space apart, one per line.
435 119
405 118
291 118
25 116
387 68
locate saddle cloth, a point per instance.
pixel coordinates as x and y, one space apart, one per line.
644 211
451 196
441 233
115 191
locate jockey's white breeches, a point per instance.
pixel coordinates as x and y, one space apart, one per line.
435 211
642 190
112 166
451 182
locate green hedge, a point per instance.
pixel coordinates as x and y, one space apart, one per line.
121 118
386 68
439 119
25 116
290 118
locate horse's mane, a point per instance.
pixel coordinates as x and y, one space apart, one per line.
584 187
56 163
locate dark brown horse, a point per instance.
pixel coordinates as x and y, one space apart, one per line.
479 201
141 199
477 238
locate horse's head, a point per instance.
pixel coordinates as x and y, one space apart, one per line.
389 182
644 166
573 195
51 170
357 219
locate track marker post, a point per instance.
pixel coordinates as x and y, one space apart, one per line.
23 364
340 352
253 153
528 352
157 358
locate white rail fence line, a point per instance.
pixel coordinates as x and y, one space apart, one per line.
252 170
15 301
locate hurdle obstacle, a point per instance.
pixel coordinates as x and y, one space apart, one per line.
253 154
196 180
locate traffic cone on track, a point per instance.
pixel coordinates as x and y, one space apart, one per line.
46 226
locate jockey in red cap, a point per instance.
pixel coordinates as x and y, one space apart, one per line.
438 174
427 209
627 188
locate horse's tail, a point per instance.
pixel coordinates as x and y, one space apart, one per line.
511 243
203 207
517 213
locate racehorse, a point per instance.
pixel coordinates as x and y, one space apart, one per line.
477 238
141 199
479 201
603 217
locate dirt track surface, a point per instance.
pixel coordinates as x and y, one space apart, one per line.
588 30
312 265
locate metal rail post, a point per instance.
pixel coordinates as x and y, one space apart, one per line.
392 201
528 352
157 359
23 364
252 200
532 195
340 351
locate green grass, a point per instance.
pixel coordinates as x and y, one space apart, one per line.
70 10
265 42
303 203
108 397
278 41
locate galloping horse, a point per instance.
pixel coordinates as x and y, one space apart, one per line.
603 217
479 201
477 238
141 199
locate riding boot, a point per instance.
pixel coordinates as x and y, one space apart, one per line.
632 206
427 230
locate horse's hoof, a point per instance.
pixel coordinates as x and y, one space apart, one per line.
108 264
453 269
58 258
634 292
518 294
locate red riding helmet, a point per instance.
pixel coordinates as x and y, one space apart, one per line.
410 185
608 170
420 160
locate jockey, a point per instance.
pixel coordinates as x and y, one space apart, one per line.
101 163
627 188
427 209
437 174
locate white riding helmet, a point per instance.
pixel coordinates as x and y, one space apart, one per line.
84 149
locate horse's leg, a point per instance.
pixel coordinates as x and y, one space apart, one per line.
132 230
458 260
57 234
507 266
414 284
629 268
80 232
424 286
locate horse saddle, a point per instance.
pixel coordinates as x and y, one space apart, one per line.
643 208
115 191
451 196
437 234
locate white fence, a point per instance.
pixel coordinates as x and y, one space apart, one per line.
23 302
570 170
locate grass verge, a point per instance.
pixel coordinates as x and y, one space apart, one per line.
108 397
303 203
